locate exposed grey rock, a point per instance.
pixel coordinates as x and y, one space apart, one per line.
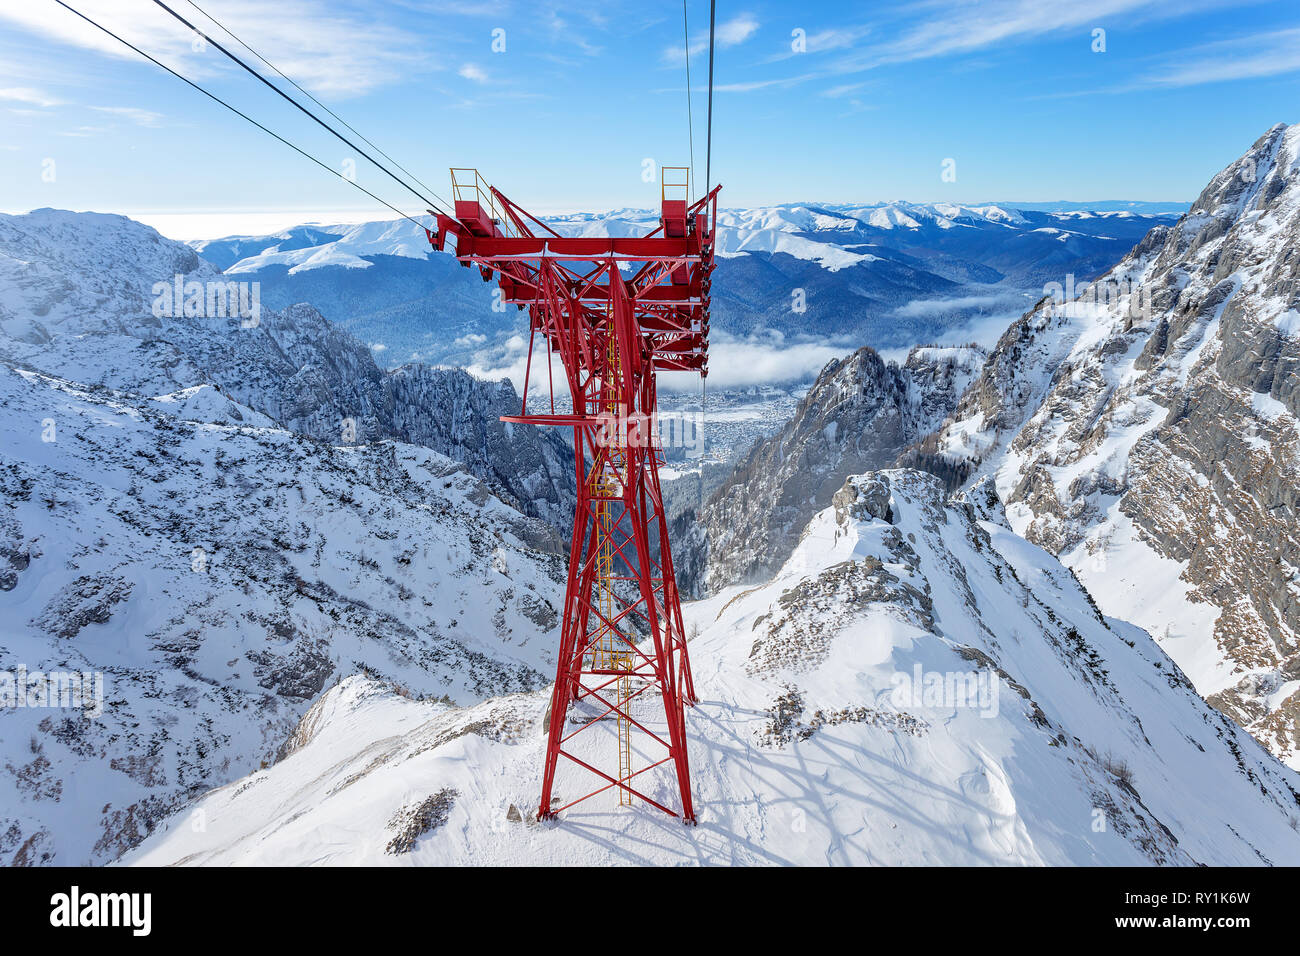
15 554
861 413
1179 416
87 600
416 821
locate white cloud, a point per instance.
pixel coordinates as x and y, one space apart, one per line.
731 33
135 115
736 364
492 369
1243 58
326 51
471 72
737 30
378 347
823 41
733 363
750 85
958 26
835 92
836 39
84 132
930 308
25 94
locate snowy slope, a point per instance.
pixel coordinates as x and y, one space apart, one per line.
1088 746
220 573
77 301
1152 437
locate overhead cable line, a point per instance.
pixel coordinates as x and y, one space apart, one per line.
236 111
690 121
291 80
281 93
708 183
708 162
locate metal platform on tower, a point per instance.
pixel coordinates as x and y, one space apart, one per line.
615 311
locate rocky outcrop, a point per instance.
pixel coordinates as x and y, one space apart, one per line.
861 413
87 600
1150 436
532 468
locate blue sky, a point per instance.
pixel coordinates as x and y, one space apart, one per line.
1017 94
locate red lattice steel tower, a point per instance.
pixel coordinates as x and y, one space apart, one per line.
615 311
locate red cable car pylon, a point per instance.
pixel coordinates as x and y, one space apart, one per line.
616 311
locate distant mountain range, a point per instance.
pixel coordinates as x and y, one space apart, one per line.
1102 205
888 275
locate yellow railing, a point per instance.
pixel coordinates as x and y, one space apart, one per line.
468 184
674 183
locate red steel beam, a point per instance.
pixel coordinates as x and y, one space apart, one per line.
612 334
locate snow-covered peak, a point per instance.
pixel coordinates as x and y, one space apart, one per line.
888 217
813 232
345 246
1146 428
206 403
1256 179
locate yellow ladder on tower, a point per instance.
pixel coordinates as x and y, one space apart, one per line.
611 652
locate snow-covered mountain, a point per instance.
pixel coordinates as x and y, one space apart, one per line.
889 274
859 415
81 296
814 232
216 515
350 640
918 685
1149 434
219 572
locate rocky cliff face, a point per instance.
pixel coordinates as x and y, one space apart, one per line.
460 416
79 293
859 415
1147 433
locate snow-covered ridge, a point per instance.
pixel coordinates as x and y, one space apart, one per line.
816 233
1149 433
206 405
918 685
